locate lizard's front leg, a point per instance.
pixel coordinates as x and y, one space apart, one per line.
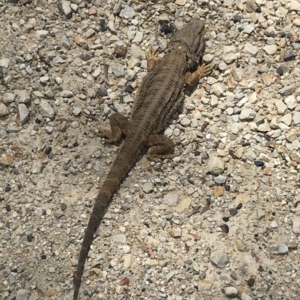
119 125
160 147
192 79
152 59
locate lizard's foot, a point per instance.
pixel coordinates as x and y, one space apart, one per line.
160 147
152 58
204 70
119 126
192 79
106 133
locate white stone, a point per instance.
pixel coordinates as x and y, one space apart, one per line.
247 114
280 106
270 49
4 62
215 165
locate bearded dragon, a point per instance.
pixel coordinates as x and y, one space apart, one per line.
157 99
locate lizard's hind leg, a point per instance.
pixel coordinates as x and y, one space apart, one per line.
160 147
119 126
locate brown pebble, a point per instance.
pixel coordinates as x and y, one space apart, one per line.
219 191
50 292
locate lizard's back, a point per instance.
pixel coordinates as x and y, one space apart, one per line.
159 94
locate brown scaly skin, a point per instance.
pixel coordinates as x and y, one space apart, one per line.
158 98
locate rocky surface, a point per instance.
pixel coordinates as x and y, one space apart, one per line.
220 220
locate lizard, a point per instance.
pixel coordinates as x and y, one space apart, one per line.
157 99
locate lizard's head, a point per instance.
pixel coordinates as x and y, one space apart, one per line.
192 35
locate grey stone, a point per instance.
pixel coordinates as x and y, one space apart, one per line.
148 187
296 117
8 98
111 26
236 127
207 58
138 37
214 101
30 24
128 99
118 70
29 70
239 95
231 291
3 110
6 235
23 96
220 179
251 49
44 79
136 51
215 165
242 102
23 113
218 89
3 133
244 296
89 33
22 294
41 34
171 199
219 259
120 107
287 119
49 129
237 74
290 102
119 238
250 155
66 9
223 66
74 6
77 111
185 121
287 90
96 72
274 224
75 124
249 28
127 12
229 58
65 42
170 275
264 127
57 60
296 224
12 128
46 110
282 249
66 94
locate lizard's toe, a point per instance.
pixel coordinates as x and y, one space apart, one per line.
204 70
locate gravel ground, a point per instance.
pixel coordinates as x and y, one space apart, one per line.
220 220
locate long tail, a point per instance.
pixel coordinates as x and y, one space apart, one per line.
123 163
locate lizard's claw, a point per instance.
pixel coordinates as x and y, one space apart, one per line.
204 70
152 58
152 53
